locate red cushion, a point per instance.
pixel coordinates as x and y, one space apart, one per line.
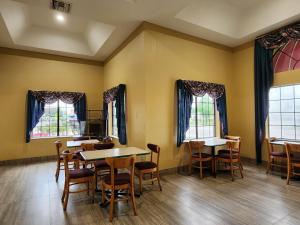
145 165
227 156
101 164
120 178
203 155
80 173
278 154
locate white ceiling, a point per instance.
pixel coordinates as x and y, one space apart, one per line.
94 28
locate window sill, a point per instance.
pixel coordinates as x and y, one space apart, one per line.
57 137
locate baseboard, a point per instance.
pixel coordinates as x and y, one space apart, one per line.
28 160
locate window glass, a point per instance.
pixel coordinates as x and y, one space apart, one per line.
114 131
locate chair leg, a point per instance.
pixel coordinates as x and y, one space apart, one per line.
64 192
133 200
67 198
288 175
88 188
111 207
201 174
93 189
241 169
57 171
215 162
103 193
152 178
158 180
231 170
140 182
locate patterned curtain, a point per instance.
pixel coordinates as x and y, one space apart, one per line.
118 94
185 91
36 101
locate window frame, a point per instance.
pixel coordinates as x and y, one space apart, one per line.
57 125
280 113
196 118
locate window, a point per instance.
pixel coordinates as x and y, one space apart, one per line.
202 121
114 130
59 119
284 112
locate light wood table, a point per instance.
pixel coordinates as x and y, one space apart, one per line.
282 142
114 152
74 144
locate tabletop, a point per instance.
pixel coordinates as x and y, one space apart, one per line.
72 144
114 152
212 142
282 142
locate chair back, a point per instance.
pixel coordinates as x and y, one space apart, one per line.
197 146
237 139
87 146
233 146
154 149
292 149
270 145
58 146
68 156
103 146
82 138
121 163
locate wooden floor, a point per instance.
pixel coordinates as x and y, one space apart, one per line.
30 195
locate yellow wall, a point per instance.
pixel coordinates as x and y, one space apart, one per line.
127 67
17 75
149 66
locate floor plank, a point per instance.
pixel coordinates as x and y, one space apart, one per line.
30 195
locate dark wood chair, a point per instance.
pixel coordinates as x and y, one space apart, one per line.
275 158
60 159
119 181
76 176
232 160
197 155
293 160
149 167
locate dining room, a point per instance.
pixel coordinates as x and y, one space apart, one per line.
149 112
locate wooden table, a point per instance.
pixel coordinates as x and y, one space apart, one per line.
114 152
282 142
74 144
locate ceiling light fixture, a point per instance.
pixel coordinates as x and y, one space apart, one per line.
60 18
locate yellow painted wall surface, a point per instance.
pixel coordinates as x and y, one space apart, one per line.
168 59
17 75
127 67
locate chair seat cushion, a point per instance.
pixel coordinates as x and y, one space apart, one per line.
145 165
227 156
80 173
99 164
226 151
278 154
203 155
120 178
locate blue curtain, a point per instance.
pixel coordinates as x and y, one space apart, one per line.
120 114
80 109
221 107
263 80
35 110
184 107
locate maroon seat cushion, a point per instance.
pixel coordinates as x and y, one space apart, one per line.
203 155
80 173
145 165
101 164
278 154
226 151
227 156
120 178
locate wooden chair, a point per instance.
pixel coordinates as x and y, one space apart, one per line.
197 155
119 181
235 150
77 176
293 160
232 159
149 167
275 158
60 159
